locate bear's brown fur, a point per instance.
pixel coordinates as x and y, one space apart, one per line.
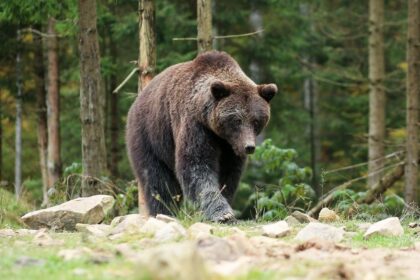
190 130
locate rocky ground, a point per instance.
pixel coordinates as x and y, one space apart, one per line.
67 242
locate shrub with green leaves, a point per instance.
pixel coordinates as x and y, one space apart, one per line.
345 202
274 184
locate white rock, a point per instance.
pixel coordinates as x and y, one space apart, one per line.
241 244
152 225
327 216
100 230
387 227
236 268
364 226
413 225
166 218
173 261
320 231
42 238
25 232
302 217
200 230
74 254
278 229
218 249
170 232
85 210
130 224
291 221
7 232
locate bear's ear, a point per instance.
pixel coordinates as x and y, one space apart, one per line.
267 91
219 90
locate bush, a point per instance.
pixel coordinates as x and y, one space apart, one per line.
11 210
280 184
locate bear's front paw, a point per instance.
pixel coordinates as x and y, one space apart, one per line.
228 218
221 215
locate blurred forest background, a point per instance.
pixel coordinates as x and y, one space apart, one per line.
320 53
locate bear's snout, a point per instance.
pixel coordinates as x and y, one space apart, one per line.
250 149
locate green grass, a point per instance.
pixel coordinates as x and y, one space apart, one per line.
11 210
53 267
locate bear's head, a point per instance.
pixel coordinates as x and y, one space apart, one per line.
240 113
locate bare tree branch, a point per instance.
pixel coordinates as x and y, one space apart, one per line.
221 37
126 80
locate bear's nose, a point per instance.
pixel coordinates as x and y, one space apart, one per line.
249 149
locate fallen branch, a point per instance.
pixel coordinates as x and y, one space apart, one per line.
385 183
126 80
326 200
220 37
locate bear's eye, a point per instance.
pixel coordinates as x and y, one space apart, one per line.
236 122
257 126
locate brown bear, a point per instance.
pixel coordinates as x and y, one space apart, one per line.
190 130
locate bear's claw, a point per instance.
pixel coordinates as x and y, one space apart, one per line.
225 218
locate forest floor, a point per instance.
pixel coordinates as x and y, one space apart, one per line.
230 252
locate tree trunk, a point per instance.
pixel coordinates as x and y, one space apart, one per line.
204 26
311 103
53 107
1 138
376 91
92 101
41 97
146 62
114 115
18 133
310 94
413 91
147 44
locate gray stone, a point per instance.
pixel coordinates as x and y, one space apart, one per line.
42 238
130 224
152 225
28 261
100 230
413 225
26 232
200 230
275 230
364 226
217 249
74 254
85 210
6 232
166 218
302 217
291 221
170 232
387 227
321 232
173 261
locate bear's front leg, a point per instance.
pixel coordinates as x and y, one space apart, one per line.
197 168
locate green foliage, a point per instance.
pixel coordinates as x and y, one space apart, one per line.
345 202
11 210
126 201
33 188
281 185
328 45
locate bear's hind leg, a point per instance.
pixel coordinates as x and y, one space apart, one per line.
161 190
